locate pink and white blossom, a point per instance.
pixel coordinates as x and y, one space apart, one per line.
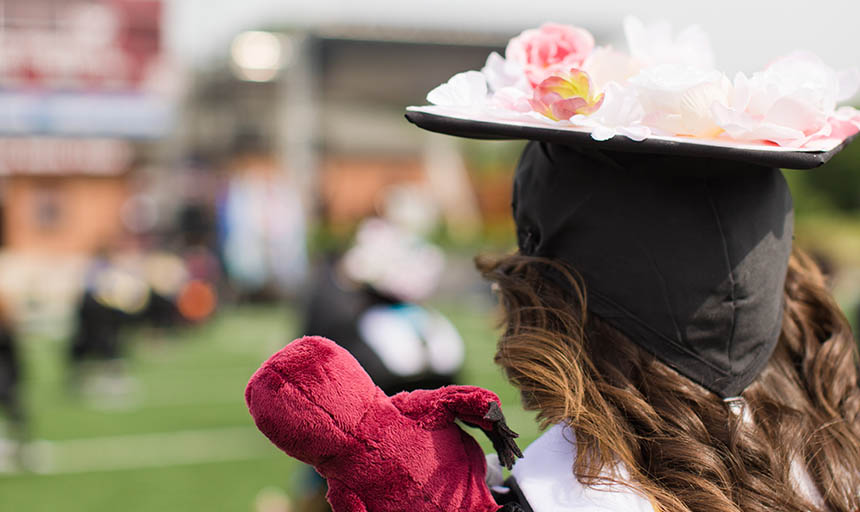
620 114
790 103
844 123
678 100
502 73
549 50
606 64
654 44
466 90
511 99
563 96
665 85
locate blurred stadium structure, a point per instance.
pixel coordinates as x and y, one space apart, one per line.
106 142
86 90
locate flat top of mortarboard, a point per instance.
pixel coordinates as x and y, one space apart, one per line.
662 96
438 120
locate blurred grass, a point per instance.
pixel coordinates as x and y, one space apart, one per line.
188 380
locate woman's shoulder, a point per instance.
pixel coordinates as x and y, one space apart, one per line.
544 479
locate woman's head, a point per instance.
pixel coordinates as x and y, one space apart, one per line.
681 445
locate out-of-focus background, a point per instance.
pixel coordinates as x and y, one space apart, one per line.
187 185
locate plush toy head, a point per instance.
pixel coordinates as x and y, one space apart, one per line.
314 401
307 395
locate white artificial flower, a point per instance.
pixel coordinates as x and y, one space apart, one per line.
501 73
790 103
606 65
654 44
511 99
849 83
678 100
620 114
463 90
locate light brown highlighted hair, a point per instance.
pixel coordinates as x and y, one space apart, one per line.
682 447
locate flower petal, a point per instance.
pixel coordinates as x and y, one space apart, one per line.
468 89
501 73
567 108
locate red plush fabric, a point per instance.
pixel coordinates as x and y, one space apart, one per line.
405 453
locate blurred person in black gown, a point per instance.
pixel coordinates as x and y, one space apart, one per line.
366 300
11 406
112 297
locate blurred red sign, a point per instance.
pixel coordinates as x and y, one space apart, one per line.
90 68
74 44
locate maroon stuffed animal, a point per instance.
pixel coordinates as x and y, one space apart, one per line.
403 453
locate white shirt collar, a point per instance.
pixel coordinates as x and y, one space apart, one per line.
545 476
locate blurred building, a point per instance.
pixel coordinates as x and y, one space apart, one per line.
331 104
85 89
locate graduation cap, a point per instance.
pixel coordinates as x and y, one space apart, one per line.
656 178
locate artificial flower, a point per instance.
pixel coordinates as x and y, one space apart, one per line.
549 50
654 45
790 103
620 114
562 97
666 85
511 99
464 90
501 73
678 100
606 65
844 123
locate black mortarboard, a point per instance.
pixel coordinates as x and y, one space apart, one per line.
686 256
431 119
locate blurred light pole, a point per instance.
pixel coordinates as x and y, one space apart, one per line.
289 60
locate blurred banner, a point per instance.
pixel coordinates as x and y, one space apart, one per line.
93 68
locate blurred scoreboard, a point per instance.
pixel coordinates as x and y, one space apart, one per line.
84 69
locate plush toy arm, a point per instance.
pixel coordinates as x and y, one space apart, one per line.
502 437
342 499
438 408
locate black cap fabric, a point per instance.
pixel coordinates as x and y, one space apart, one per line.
685 256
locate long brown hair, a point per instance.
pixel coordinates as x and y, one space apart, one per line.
682 447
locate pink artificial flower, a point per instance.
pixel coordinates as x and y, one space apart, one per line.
844 123
790 103
512 99
562 97
550 49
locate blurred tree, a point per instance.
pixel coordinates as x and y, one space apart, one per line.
832 188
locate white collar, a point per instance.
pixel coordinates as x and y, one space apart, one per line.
545 476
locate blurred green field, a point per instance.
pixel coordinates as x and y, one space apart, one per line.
184 440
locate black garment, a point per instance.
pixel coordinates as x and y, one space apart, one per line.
10 375
334 311
685 256
97 333
161 311
514 500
